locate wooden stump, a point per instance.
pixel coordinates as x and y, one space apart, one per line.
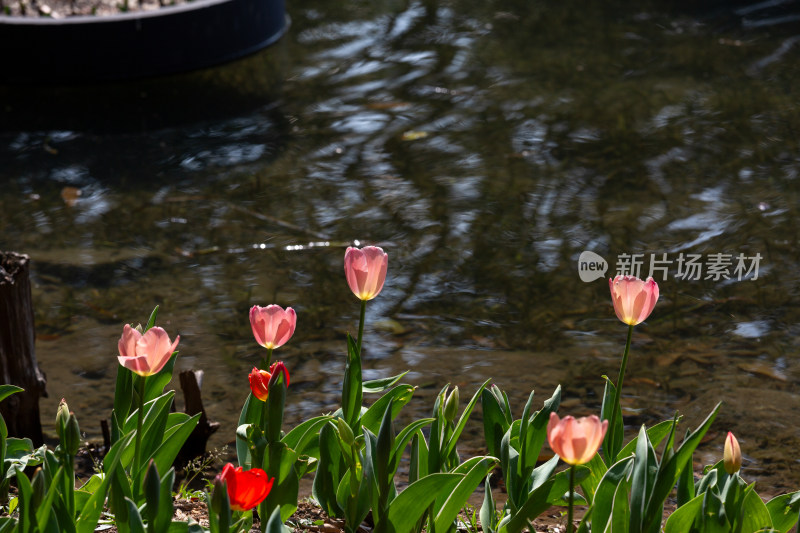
18 364
195 445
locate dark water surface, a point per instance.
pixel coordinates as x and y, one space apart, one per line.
484 145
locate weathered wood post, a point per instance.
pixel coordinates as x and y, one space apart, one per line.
18 364
195 445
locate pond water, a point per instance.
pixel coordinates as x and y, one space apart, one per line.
485 146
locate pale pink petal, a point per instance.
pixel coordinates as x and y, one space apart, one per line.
272 326
136 364
633 298
377 262
355 269
257 324
127 343
155 345
285 328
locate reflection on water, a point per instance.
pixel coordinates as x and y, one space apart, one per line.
485 146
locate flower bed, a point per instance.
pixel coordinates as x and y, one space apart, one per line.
354 453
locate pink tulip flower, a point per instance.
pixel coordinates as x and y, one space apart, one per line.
576 440
731 455
633 298
365 270
145 354
272 326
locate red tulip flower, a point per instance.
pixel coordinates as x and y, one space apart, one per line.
145 354
633 298
576 440
260 380
272 325
246 488
365 270
731 455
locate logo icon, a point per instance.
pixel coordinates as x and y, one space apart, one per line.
591 266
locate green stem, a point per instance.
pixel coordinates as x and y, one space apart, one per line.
137 450
618 391
361 325
266 361
69 483
570 527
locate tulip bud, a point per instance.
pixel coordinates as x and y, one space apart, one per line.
451 405
219 495
62 417
732 455
278 370
345 433
72 436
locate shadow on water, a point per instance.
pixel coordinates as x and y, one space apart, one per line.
142 106
485 146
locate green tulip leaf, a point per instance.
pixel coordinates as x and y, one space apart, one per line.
154 425
20 455
418 467
304 438
784 511
7 390
755 514
380 385
7 524
329 467
686 485
384 450
621 511
173 441
683 519
606 490
509 459
462 421
645 467
533 433
164 507
279 461
46 505
154 385
535 504
355 508
151 321
151 409
123 393
560 491
27 519
398 396
543 472
90 511
495 420
672 464
275 523
134 522
409 506
597 469
655 435
251 414
614 435
488 512
404 437
351 387
474 470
